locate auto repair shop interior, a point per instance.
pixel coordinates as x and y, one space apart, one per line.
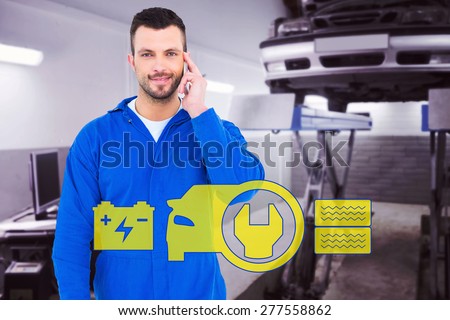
370 80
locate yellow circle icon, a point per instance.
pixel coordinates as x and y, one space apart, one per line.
298 225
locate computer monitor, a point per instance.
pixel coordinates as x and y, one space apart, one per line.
44 176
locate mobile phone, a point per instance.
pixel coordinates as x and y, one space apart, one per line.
188 85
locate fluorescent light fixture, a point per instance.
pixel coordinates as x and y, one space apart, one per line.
29 57
219 87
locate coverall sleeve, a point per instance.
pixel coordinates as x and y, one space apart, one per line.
74 226
233 164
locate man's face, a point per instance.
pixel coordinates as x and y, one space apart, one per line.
158 61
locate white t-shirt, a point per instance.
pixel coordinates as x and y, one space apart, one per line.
154 127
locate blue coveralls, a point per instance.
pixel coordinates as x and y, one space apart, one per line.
94 173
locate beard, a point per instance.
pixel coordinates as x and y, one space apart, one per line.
159 93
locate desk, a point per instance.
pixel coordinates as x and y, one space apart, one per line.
25 240
22 230
25 222
21 234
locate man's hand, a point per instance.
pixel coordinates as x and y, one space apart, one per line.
194 97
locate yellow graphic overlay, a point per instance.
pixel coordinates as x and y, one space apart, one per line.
342 213
205 205
123 228
343 226
258 240
342 240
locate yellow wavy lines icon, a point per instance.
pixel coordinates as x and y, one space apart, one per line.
342 213
342 240
343 226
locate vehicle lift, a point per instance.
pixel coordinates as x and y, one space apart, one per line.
436 120
299 278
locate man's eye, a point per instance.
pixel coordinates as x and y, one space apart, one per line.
146 55
172 54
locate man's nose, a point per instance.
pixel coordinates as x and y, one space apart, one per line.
159 65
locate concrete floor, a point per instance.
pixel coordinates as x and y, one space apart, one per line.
391 270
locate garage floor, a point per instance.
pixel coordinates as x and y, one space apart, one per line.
391 270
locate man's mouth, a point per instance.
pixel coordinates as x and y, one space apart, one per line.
160 80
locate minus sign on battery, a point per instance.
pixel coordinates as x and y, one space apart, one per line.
142 219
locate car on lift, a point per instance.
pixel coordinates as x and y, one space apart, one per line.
360 51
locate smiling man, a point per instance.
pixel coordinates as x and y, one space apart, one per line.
118 158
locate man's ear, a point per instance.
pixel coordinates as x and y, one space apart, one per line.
131 61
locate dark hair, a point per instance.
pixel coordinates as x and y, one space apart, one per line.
156 18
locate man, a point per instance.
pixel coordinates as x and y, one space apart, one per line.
121 157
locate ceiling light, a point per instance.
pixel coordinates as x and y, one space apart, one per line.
29 57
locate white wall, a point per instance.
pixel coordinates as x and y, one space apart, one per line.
389 119
246 77
82 74
393 119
